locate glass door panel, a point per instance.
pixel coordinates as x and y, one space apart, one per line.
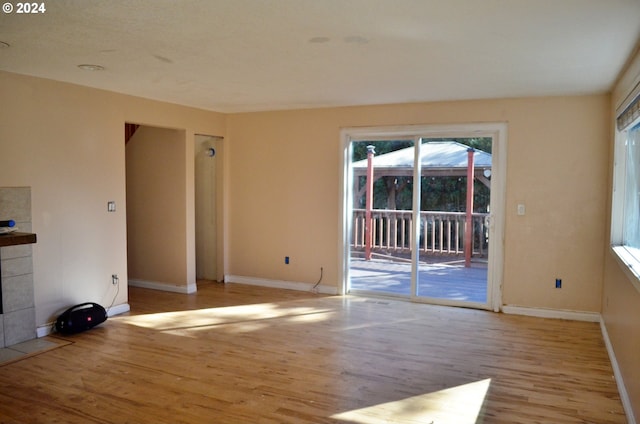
382 227
454 217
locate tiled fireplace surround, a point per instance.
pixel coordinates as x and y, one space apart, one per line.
17 322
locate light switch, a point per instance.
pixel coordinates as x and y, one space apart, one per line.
111 206
521 209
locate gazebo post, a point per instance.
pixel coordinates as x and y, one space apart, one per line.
468 228
369 204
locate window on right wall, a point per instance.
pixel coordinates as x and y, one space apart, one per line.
625 222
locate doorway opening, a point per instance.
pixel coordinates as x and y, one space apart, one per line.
156 210
208 189
423 213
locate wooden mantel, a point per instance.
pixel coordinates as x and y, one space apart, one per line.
12 239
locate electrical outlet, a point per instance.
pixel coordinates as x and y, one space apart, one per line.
286 260
558 283
114 279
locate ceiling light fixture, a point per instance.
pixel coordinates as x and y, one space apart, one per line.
356 39
88 67
318 40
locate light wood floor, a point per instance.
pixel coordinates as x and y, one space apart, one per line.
240 354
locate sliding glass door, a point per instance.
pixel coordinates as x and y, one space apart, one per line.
417 215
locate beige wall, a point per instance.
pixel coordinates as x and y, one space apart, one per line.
621 300
67 143
283 192
282 187
155 170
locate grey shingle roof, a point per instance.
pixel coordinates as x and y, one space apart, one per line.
435 155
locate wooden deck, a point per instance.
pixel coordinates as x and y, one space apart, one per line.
241 354
441 280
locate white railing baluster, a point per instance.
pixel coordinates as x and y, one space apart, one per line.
433 234
387 221
442 232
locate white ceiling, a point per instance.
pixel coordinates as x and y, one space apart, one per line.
248 55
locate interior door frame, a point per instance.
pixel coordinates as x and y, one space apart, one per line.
207 149
496 130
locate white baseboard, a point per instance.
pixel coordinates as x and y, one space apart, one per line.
280 284
552 313
154 285
118 309
624 396
45 330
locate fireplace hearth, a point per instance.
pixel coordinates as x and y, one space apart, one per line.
17 307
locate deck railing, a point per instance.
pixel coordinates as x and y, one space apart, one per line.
440 232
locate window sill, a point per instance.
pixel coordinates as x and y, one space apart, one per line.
629 264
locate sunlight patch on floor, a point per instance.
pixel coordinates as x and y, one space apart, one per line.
456 405
244 318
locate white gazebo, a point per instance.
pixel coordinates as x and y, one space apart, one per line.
437 159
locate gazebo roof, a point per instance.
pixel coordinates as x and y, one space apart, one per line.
437 158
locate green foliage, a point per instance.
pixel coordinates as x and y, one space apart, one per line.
480 143
382 147
449 194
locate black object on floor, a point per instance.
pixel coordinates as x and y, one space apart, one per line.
80 318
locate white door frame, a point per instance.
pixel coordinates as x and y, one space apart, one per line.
496 130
